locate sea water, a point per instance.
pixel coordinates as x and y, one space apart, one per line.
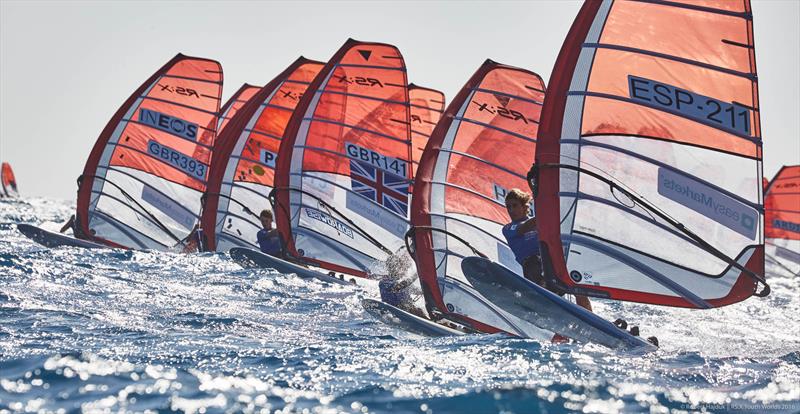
113 330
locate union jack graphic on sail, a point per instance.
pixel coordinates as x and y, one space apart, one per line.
386 189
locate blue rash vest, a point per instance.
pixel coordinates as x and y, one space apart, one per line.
269 241
523 245
397 299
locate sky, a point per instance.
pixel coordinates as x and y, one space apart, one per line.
66 67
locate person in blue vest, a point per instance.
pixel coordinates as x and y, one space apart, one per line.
269 240
396 285
523 239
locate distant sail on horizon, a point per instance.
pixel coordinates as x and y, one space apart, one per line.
143 180
8 181
649 156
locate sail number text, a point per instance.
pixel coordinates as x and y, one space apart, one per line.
731 116
376 159
176 159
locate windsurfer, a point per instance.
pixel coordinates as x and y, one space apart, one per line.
269 240
396 285
195 241
523 239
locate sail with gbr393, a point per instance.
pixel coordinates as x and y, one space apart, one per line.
143 180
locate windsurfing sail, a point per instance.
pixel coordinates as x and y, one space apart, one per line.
648 164
142 183
8 181
482 147
234 104
343 169
782 215
242 173
427 106
782 205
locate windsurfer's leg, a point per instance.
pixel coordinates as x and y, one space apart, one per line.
583 302
69 225
532 270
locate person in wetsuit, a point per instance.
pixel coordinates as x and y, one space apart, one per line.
523 239
269 240
396 285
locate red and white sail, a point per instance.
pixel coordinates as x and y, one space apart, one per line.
782 216
243 171
142 184
649 155
344 165
234 104
427 106
482 147
8 181
782 204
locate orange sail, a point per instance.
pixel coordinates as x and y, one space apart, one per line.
242 174
782 218
8 182
142 183
648 162
782 205
427 106
234 104
482 147
344 165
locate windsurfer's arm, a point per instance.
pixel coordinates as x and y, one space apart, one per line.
402 284
583 302
284 253
527 225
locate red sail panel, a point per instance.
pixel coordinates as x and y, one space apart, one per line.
427 106
242 174
661 100
8 181
234 104
782 205
482 147
142 183
343 168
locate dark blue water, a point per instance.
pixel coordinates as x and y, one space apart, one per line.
93 331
